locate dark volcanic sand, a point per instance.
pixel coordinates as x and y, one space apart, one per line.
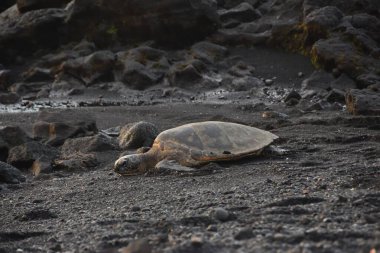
324 196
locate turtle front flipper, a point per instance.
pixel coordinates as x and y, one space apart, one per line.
172 166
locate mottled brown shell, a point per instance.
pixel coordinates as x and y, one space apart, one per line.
197 143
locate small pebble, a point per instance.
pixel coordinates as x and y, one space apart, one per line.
196 240
221 214
301 74
268 82
212 228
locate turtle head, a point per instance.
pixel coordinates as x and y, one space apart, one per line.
129 165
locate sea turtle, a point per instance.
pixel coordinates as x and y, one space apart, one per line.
192 145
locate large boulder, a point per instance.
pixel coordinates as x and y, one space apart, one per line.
10 174
91 68
173 22
28 5
54 128
141 67
23 34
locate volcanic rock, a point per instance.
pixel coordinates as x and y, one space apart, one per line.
10 174
173 22
28 5
9 98
54 129
137 135
31 31
88 144
23 156
208 52
363 102
244 12
89 69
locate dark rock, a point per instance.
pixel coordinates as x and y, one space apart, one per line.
23 156
324 18
292 95
137 135
336 96
5 79
232 37
141 67
363 102
343 82
10 174
85 48
292 102
28 5
241 69
37 75
244 234
183 75
96 143
29 89
208 52
365 80
319 80
9 98
54 128
76 162
24 34
242 83
335 53
92 68
13 135
232 3
221 214
171 22
37 214
138 246
244 12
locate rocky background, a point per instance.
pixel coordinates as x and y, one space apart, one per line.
77 76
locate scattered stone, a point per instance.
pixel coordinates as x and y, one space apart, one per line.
54 128
137 135
242 83
244 234
319 80
292 95
9 98
10 174
208 52
184 75
274 115
324 18
365 80
13 136
5 79
221 214
23 156
76 162
336 96
363 102
300 74
268 82
90 69
138 246
37 214
37 74
244 12
292 102
167 22
241 69
88 144
212 228
196 241
28 5
343 82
